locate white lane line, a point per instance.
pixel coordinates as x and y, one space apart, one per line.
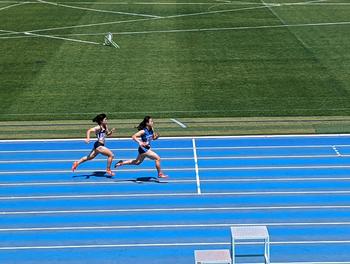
127 181
337 151
196 166
134 195
276 167
86 150
185 209
190 137
184 169
171 226
98 10
60 38
180 158
88 171
178 122
171 244
160 148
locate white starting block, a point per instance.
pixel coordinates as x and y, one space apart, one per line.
109 41
221 256
251 233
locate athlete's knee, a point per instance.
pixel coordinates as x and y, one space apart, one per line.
111 156
137 162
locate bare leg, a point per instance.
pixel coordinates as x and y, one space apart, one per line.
106 152
91 156
154 156
136 161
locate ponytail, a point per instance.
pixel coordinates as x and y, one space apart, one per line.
144 122
99 118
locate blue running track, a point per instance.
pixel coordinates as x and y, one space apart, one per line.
298 186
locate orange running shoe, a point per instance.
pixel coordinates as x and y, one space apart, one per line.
75 166
162 175
110 173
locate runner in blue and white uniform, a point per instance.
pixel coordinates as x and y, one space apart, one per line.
101 132
144 137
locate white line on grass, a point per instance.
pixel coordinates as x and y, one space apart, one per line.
98 10
174 16
191 209
286 24
178 122
196 166
134 195
10 6
218 29
60 38
185 3
199 30
138 20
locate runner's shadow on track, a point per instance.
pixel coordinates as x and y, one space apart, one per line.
139 180
97 174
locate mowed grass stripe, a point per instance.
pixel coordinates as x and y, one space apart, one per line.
195 126
208 74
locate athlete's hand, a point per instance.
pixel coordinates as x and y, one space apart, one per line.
110 132
156 136
143 144
87 140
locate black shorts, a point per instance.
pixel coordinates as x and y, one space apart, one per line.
143 149
98 144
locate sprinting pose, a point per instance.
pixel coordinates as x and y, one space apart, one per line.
101 132
146 134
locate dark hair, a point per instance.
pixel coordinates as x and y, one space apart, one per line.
143 124
99 118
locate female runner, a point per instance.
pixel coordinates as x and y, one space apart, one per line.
101 132
144 137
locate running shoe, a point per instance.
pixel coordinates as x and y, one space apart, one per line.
75 166
110 173
162 175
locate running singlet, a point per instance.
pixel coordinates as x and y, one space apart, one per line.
146 137
101 135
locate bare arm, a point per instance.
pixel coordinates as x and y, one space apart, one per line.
93 129
136 137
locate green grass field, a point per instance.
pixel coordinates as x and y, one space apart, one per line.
178 59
